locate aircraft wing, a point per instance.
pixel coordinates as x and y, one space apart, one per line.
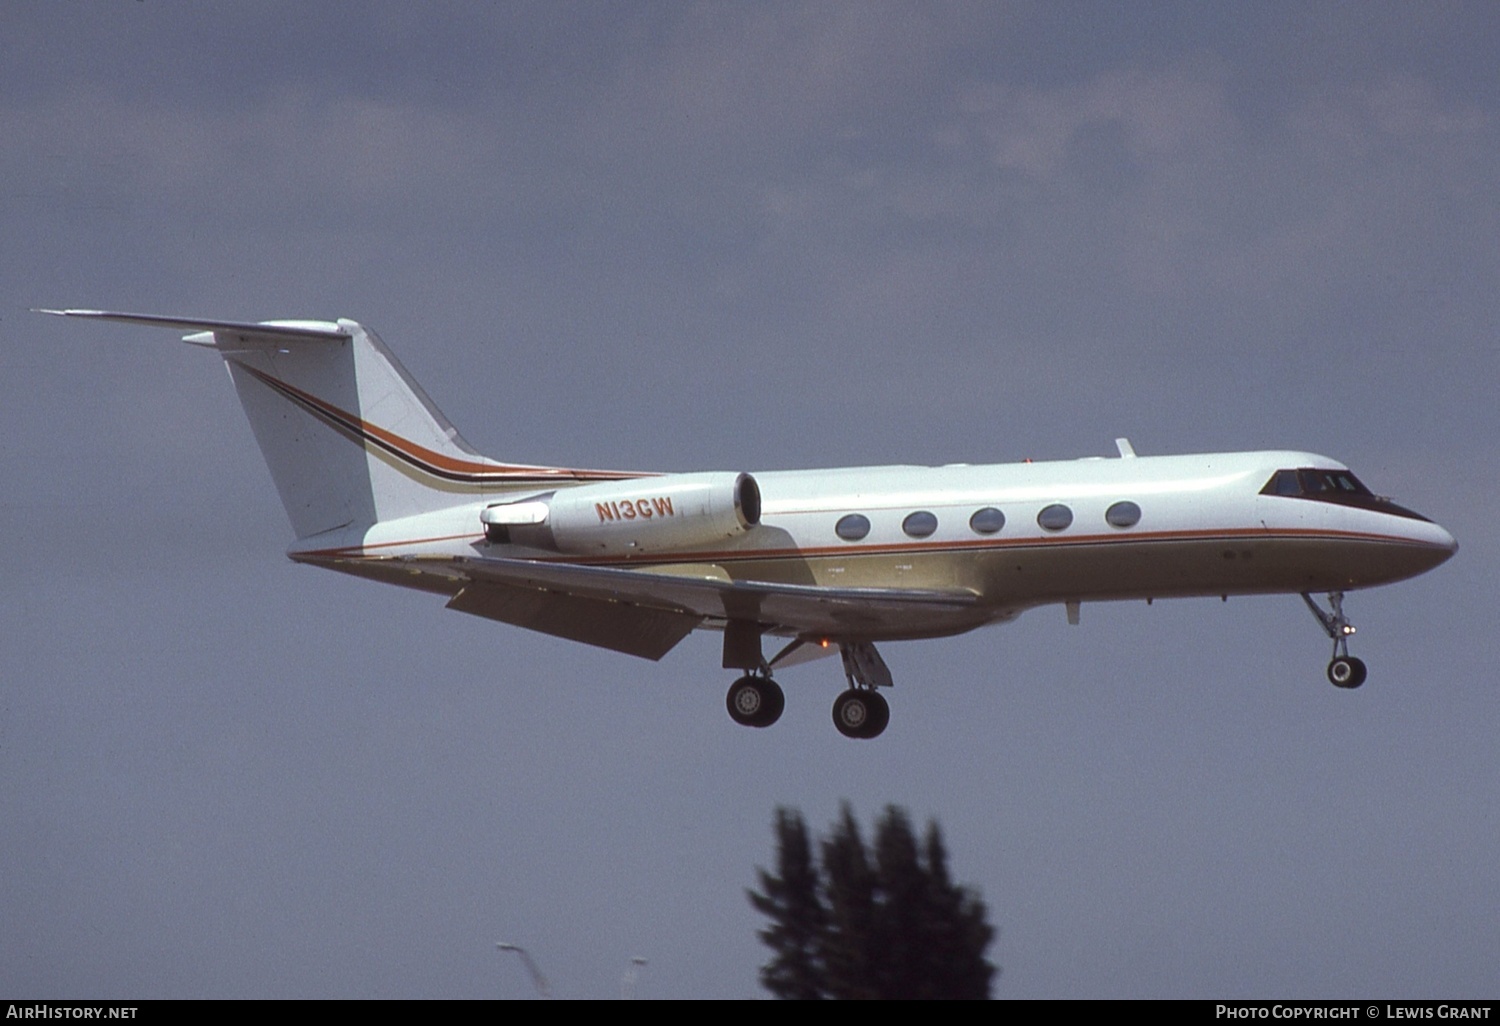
647 614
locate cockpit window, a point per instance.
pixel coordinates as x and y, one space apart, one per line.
1284 483
1339 482
1336 486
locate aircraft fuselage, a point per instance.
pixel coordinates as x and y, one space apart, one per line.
1014 535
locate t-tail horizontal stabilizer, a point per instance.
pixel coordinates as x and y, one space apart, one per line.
366 444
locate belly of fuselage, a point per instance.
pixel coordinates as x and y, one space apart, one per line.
1015 576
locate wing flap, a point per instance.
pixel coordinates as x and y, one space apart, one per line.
622 627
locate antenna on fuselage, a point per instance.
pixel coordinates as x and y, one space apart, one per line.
1127 451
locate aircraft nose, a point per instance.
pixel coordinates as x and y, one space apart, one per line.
1448 543
1439 543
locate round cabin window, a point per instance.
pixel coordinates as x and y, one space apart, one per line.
1055 517
1123 514
852 527
987 521
920 524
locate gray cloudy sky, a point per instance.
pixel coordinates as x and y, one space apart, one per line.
688 236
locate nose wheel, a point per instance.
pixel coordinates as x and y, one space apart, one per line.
1344 670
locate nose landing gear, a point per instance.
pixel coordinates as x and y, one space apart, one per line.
1344 670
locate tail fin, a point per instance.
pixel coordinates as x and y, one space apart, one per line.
311 388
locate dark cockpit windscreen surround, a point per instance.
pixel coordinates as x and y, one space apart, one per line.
1336 486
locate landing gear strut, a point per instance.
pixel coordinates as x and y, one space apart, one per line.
755 700
1344 670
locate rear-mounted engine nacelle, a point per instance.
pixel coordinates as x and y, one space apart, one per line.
646 514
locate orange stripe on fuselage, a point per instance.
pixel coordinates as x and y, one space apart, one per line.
977 544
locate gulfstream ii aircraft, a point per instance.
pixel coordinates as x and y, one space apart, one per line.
378 484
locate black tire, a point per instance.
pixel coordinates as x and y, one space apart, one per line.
880 715
1347 672
850 713
755 701
775 703
860 714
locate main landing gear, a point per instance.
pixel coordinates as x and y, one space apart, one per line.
755 700
1344 670
860 712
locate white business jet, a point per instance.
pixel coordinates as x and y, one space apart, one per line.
378 484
